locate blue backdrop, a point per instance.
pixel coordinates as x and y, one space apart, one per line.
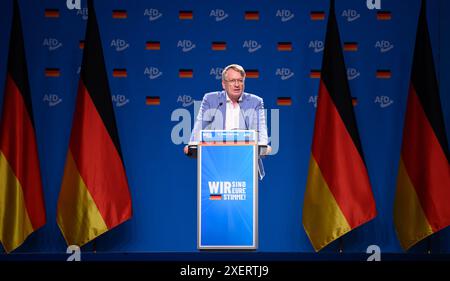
162 180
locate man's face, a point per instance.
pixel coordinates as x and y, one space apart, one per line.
233 84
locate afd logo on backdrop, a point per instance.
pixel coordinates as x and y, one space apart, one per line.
373 4
185 100
120 100
227 190
384 46
251 45
216 72
313 100
73 4
284 73
350 15
119 44
284 15
383 101
83 13
316 45
51 99
185 45
52 44
152 14
352 73
152 72
218 14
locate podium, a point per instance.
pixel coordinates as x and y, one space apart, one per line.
227 190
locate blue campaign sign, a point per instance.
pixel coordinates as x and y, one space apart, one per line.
227 196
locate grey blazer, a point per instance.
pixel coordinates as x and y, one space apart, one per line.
212 116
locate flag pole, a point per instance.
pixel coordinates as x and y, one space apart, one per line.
341 245
429 245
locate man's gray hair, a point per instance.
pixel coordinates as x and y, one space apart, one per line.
236 67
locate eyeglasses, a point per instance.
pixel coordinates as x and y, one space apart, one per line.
234 81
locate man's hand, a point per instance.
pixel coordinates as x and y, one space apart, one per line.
266 151
186 149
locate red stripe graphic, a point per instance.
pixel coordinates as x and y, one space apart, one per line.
185 15
317 15
152 45
51 13
18 142
93 150
252 73
119 14
426 164
384 15
340 162
251 15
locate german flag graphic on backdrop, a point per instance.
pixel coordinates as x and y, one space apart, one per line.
421 205
22 209
338 196
94 194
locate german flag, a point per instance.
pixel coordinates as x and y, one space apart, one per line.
215 197
22 209
219 46
317 15
94 196
120 72
421 205
384 15
314 73
51 13
383 74
338 196
351 46
52 72
186 73
81 44
284 46
284 101
152 45
149 100
252 73
186 15
251 15
119 14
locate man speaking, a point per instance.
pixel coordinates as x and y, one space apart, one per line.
232 109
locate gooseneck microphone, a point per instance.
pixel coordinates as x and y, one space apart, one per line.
215 111
242 114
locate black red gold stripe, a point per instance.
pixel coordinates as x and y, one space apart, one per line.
152 100
152 45
251 15
384 15
51 13
284 101
284 46
252 73
119 14
52 72
317 15
314 73
185 15
219 46
383 74
351 46
120 72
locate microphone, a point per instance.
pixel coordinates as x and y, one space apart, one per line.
215 111
242 114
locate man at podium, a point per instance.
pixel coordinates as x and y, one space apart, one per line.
232 109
